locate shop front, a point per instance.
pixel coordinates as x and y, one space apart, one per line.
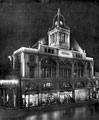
8 93
65 96
30 99
49 98
90 90
81 92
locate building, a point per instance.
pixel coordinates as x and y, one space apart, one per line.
51 71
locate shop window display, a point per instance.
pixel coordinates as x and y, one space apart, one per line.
49 98
31 100
65 96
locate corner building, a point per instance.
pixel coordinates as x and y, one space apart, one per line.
52 72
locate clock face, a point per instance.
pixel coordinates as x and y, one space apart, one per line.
56 23
61 23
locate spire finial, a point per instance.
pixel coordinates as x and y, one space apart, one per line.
58 11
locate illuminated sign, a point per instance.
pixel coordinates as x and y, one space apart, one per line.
64 53
9 82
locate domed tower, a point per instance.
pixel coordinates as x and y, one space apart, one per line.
59 34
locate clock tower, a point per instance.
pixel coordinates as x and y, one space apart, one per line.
59 34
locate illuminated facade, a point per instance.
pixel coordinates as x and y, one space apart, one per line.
9 92
52 72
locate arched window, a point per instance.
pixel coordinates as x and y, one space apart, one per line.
64 85
48 68
31 87
65 68
79 85
47 86
78 70
89 84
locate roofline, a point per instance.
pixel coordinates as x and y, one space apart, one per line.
25 49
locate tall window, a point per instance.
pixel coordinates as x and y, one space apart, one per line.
88 68
31 58
63 37
78 70
65 68
32 71
18 65
48 68
61 72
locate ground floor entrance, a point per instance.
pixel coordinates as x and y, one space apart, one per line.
8 97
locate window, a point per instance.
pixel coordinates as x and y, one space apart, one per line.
48 72
61 71
52 38
46 86
65 68
31 58
63 37
69 73
49 50
75 73
78 55
32 71
18 65
48 68
65 73
52 51
78 70
65 85
45 50
43 72
53 72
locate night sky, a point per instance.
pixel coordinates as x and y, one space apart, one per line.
24 23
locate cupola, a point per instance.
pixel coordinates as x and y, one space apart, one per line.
59 34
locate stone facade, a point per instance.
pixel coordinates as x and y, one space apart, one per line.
51 71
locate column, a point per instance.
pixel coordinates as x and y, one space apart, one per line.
38 70
73 92
7 97
13 62
57 70
85 69
72 76
4 97
58 38
14 97
91 70
39 95
58 93
49 39
22 64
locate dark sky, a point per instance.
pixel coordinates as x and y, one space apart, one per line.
23 23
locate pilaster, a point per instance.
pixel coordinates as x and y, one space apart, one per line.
39 95
85 70
23 64
91 70
72 74
57 70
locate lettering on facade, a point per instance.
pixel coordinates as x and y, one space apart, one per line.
65 54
